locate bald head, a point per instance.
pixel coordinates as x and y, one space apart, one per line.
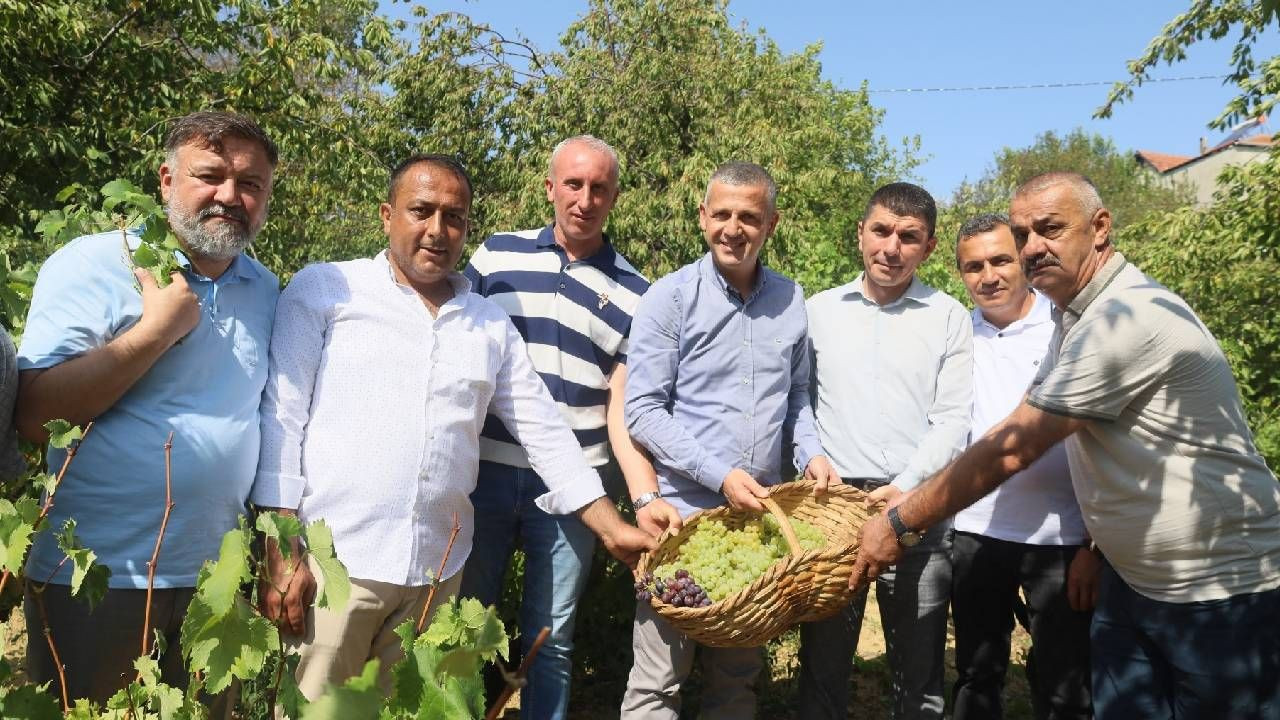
1082 188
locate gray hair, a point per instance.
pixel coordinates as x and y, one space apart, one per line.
209 127
589 141
744 173
984 223
1082 187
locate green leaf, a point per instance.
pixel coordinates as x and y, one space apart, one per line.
28 702
145 256
222 646
62 433
359 698
169 701
280 528
88 577
17 524
221 586
337 585
65 193
119 189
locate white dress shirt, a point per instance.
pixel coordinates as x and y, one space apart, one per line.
892 384
372 413
1038 505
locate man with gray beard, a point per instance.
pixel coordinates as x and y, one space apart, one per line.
104 343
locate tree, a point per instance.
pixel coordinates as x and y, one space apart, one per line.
1259 83
677 90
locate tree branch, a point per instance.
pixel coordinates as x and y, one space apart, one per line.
38 595
431 594
514 681
155 554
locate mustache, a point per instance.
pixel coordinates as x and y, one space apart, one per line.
1039 262
231 211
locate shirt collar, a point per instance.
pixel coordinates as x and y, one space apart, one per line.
459 282
1099 282
1041 312
241 268
916 291
604 258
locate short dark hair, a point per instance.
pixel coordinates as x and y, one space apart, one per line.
441 161
209 127
745 173
984 223
902 198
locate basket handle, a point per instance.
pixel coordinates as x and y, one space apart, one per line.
784 523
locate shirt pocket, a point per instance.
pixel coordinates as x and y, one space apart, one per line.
465 369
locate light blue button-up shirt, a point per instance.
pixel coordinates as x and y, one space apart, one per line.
205 389
893 384
716 381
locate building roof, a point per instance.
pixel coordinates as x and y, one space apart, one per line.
1164 162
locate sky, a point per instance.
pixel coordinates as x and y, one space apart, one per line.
896 45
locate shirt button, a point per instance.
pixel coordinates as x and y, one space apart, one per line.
744 381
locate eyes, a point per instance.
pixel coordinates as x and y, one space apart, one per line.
248 184
909 236
576 185
746 218
451 215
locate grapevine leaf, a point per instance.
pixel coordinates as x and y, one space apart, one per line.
221 585
17 523
51 224
169 700
145 256
280 528
46 482
231 644
87 574
337 585
448 701
28 702
62 433
119 188
357 698
443 629
65 193
288 696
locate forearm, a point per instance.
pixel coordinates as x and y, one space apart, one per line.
633 461
601 517
82 388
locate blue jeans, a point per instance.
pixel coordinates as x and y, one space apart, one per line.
1216 659
557 550
913 597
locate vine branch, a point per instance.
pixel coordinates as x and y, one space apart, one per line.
431 594
515 681
155 554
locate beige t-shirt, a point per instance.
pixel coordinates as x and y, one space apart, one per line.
1170 483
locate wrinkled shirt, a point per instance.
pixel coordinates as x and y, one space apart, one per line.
372 414
717 381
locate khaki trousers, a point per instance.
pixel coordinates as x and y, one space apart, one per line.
337 644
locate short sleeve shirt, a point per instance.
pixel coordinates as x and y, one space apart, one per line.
205 389
1166 472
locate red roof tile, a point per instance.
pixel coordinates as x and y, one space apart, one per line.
1162 162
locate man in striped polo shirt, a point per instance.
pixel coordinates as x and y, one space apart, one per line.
571 296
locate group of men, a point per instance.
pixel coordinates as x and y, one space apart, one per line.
389 395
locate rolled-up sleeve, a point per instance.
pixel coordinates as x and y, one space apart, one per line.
297 346
652 366
950 413
523 403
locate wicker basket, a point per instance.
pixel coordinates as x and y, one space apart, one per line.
801 587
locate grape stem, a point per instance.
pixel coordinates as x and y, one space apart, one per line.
155 554
514 681
431 594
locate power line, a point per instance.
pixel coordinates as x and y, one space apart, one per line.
1039 86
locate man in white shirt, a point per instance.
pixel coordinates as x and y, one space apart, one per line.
892 388
381 374
1027 535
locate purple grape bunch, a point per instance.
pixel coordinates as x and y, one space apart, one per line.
679 591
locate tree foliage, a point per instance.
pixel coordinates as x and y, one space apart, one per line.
1258 81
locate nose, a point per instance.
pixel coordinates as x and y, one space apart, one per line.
435 224
988 276
227 193
1033 246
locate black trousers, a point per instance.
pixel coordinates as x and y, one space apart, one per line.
986 577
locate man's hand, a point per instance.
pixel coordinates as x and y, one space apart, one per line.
819 470
878 549
168 313
288 589
1082 580
888 495
657 516
742 491
627 542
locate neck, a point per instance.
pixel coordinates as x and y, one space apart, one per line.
208 267
1003 317
883 295
578 249
432 294
1099 259
743 280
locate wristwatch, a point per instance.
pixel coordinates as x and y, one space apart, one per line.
906 536
645 499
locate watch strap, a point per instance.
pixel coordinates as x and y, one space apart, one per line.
645 499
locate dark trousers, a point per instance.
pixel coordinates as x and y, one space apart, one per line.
98 648
986 576
1217 659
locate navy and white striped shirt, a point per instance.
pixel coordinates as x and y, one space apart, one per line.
575 318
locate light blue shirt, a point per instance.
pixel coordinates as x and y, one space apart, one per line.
717 382
205 389
893 384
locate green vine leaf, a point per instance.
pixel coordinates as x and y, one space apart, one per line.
357 699
62 433
280 528
28 702
88 577
336 587
17 524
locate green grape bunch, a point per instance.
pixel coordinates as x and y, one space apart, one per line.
723 560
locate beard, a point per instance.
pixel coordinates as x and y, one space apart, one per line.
221 241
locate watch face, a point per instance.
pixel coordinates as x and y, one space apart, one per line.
910 538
